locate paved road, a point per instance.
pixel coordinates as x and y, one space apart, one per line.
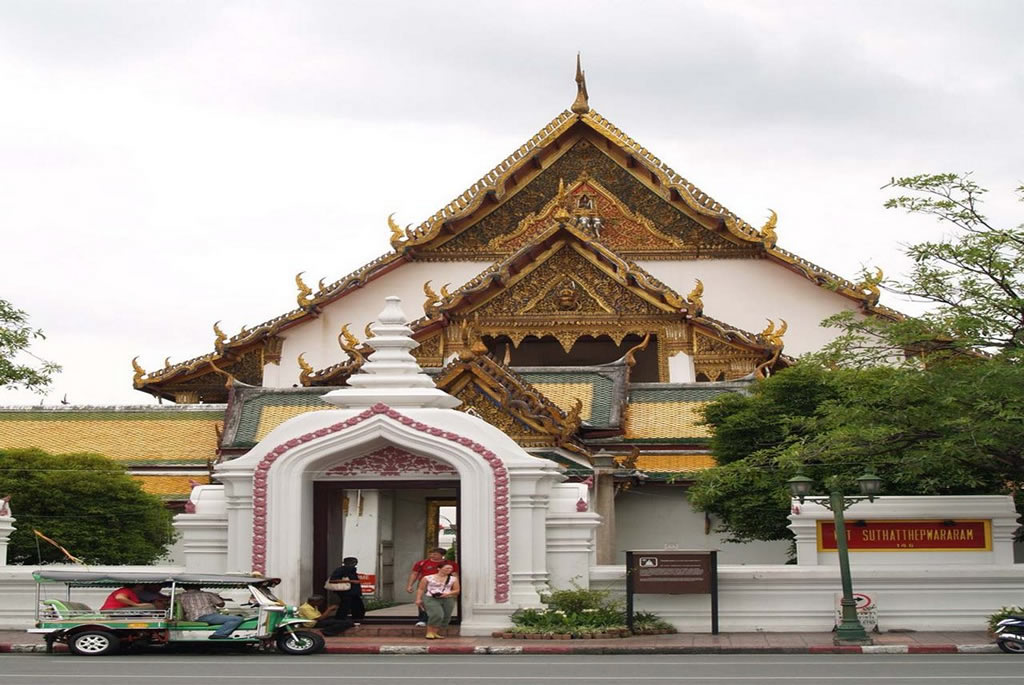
746 669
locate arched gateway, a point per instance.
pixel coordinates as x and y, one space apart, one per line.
392 423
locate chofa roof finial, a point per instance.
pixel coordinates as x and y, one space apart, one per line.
582 103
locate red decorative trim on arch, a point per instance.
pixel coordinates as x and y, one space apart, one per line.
259 490
391 461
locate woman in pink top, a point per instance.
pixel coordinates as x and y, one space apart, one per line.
436 595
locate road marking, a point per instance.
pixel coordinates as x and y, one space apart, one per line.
559 659
477 678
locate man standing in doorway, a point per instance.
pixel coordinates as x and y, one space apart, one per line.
427 567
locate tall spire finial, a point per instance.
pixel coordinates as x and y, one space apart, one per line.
582 103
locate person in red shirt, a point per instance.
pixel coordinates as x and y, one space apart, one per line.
427 567
125 598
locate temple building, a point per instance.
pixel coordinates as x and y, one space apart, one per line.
573 309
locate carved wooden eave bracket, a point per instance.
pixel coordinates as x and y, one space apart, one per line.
512 399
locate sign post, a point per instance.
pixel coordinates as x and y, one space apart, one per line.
672 572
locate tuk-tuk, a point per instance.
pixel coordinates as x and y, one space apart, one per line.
268 622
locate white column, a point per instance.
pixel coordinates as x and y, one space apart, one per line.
6 528
570 536
238 506
528 503
361 529
204 532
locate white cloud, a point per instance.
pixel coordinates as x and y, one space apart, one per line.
168 164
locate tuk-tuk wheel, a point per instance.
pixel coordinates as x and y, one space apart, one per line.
93 643
300 642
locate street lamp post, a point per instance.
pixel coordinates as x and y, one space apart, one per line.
849 631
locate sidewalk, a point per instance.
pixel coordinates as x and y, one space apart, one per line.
681 643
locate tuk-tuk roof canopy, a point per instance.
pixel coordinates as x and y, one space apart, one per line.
110 579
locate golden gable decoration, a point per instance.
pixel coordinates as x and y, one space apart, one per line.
596 210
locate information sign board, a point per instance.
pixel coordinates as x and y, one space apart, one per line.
672 572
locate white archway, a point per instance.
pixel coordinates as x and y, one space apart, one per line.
504 490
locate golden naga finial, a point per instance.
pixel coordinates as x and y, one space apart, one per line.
572 422
348 344
445 293
694 298
304 290
218 343
139 372
305 369
430 304
367 331
631 352
869 285
773 336
397 234
582 103
320 285
768 235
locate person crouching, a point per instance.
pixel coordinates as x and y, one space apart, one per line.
323 618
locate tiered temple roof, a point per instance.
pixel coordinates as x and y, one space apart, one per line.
491 219
564 222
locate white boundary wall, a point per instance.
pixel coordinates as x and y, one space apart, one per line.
18 590
803 599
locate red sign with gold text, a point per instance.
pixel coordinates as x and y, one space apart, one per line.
909 536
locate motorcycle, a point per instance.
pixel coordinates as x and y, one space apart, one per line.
1010 634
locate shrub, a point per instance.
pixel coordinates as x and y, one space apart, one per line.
579 610
1005 612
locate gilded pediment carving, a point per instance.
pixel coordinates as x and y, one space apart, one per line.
565 294
592 207
564 286
676 235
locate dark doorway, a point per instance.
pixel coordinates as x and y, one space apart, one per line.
409 517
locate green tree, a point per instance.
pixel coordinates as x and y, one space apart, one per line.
85 502
972 277
16 337
935 403
951 429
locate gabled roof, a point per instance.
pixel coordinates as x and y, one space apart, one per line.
491 191
572 264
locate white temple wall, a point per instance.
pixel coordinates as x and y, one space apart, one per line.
18 590
791 598
743 292
654 516
317 339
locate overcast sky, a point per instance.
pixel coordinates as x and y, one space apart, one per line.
167 164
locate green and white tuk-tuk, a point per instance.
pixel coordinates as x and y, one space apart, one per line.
269 622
